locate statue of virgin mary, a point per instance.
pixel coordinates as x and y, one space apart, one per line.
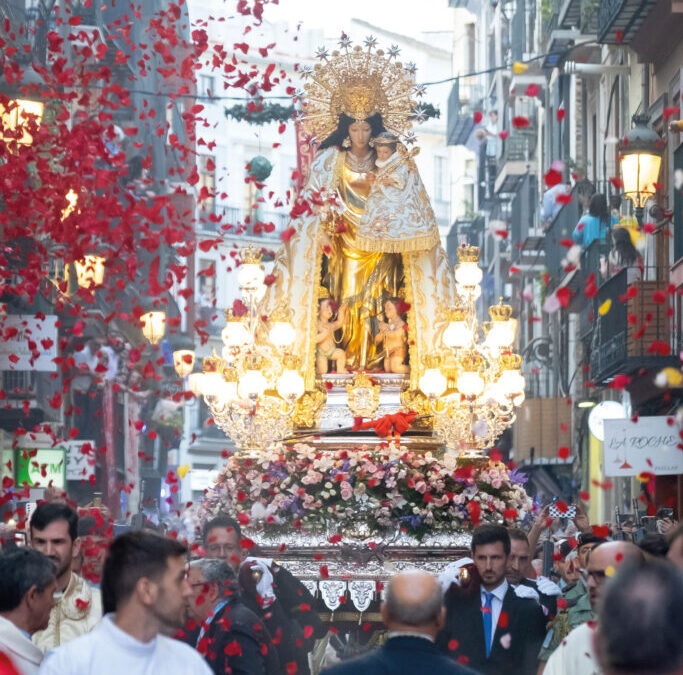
367 243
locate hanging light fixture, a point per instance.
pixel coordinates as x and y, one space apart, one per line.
484 377
90 270
183 354
153 325
15 116
640 159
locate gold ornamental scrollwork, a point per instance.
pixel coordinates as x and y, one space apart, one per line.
415 400
363 396
308 409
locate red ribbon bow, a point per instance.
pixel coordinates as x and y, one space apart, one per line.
388 426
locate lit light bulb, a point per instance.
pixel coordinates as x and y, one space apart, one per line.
512 382
250 276
153 326
252 384
290 385
501 335
468 274
282 334
433 383
183 361
457 335
470 383
235 334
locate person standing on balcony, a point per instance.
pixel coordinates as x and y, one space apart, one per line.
596 224
623 254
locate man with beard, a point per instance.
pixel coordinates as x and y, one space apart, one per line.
145 589
488 626
78 608
279 599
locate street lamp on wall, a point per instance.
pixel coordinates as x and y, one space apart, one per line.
640 158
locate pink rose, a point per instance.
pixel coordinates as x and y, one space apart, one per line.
346 490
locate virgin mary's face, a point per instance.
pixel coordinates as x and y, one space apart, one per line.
360 133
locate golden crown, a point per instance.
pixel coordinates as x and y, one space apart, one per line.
251 255
230 315
359 83
510 361
471 361
323 293
467 253
456 314
254 362
291 362
434 360
500 312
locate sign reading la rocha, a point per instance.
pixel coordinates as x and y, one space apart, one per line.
650 444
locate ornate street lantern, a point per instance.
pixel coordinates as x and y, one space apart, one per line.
640 160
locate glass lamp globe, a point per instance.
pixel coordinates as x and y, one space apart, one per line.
252 384
212 384
433 383
468 274
457 335
235 334
290 385
90 271
282 334
500 335
512 382
250 276
228 392
153 326
495 393
195 383
183 361
470 383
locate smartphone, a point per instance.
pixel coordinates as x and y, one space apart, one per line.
665 513
554 512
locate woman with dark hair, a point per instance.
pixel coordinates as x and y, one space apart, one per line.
596 223
624 254
354 240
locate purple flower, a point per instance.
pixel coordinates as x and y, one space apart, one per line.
517 477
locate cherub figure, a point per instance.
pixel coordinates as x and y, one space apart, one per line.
326 347
393 333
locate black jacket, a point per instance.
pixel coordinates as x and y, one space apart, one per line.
463 634
401 656
292 619
237 643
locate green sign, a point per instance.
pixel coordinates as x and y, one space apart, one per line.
38 467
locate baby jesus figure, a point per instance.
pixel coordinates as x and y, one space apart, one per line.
326 347
388 160
393 333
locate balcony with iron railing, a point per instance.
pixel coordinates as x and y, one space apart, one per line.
618 21
266 225
632 328
519 152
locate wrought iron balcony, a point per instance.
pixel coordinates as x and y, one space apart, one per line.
636 331
619 20
518 155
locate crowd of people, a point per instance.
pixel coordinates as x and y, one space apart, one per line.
581 602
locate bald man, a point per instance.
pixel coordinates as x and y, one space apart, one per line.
413 613
575 656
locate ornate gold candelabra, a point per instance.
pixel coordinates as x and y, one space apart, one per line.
474 385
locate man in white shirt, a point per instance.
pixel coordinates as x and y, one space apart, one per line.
27 586
145 588
576 656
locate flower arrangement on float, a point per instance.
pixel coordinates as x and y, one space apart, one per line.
388 487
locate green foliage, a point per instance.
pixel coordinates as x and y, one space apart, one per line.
260 113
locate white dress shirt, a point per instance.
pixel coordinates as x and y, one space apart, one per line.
496 604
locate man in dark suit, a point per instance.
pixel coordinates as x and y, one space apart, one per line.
221 627
413 614
487 625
